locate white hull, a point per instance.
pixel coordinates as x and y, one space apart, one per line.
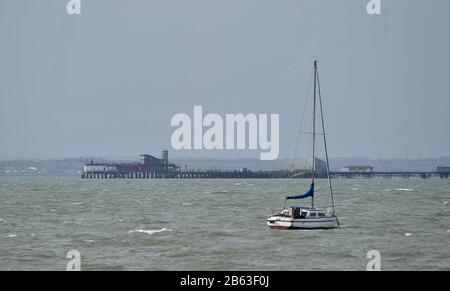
277 222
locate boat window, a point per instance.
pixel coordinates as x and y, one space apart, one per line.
313 214
321 214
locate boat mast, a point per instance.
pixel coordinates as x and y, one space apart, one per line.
314 131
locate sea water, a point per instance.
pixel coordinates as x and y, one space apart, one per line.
218 224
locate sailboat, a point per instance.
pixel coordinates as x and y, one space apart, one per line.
296 217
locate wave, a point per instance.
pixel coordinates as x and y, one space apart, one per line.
12 236
150 232
409 234
404 189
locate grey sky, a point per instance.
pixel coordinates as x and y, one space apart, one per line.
108 82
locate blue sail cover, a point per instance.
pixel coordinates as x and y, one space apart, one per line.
310 193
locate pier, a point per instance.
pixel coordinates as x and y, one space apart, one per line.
150 167
389 175
248 174
191 175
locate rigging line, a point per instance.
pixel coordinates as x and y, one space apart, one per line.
325 143
302 119
330 199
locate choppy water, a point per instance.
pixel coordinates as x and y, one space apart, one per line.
218 225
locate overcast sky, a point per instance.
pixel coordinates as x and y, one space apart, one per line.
108 82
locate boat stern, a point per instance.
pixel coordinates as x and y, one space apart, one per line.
275 222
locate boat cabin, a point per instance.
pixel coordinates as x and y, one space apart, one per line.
300 212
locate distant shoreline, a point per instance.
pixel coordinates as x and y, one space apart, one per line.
73 166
